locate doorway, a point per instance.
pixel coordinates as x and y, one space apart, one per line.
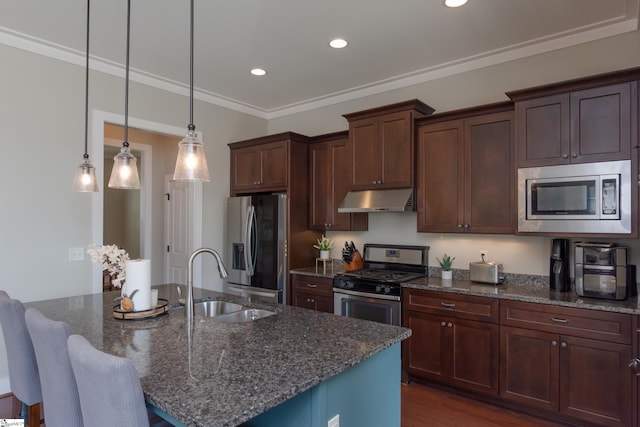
155 146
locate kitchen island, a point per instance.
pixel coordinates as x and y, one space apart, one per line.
297 368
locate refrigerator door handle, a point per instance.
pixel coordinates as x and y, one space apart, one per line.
249 254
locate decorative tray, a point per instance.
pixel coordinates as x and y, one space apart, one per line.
158 310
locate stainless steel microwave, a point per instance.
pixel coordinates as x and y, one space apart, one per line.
580 198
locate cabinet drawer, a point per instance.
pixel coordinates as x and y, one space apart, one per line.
602 325
314 285
456 305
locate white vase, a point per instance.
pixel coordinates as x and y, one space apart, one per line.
324 254
447 275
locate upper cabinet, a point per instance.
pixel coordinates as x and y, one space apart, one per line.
466 172
381 145
257 168
587 120
329 170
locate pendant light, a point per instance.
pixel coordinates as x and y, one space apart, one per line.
84 180
191 164
124 174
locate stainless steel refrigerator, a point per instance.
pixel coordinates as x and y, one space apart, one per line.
255 248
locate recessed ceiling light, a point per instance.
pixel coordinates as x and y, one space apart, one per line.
338 43
455 3
258 72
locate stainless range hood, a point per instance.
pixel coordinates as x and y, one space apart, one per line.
397 200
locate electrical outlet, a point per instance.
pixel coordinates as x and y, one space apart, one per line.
334 422
76 254
483 254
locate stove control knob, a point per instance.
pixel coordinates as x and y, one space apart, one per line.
387 289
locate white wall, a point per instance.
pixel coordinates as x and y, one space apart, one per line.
41 138
525 255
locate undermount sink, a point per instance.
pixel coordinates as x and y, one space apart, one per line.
229 312
215 308
246 315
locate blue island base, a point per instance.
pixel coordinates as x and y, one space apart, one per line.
367 394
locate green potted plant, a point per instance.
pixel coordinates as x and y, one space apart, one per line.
445 264
324 246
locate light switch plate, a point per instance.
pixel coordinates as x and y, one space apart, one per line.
76 254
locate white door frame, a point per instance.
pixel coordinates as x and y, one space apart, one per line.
98 121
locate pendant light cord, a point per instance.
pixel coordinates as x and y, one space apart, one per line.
191 125
126 86
86 90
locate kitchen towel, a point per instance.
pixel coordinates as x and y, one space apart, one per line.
139 277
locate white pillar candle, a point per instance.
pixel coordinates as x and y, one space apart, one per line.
139 277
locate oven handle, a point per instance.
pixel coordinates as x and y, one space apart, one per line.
366 295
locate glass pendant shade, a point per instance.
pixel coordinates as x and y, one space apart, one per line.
191 164
84 180
124 174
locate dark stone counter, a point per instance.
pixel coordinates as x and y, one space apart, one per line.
231 372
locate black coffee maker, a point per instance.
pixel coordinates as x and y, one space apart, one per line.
559 279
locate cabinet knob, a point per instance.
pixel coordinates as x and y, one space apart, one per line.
574 155
466 226
563 344
449 325
554 343
459 226
635 366
565 156
443 323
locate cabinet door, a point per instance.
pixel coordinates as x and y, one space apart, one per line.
474 361
440 177
601 123
396 138
425 351
341 174
543 131
490 174
366 154
321 186
246 168
313 302
595 381
273 163
529 367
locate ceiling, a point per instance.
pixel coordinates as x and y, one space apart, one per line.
391 43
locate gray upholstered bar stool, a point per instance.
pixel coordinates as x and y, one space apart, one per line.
109 388
23 369
59 391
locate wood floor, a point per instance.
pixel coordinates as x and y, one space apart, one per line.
427 407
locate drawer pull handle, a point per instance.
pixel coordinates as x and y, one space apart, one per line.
447 304
555 319
312 285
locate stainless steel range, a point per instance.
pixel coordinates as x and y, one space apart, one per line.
374 292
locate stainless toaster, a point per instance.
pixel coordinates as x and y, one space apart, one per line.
485 272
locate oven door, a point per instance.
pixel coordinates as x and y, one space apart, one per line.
361 305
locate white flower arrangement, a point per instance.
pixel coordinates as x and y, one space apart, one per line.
113 260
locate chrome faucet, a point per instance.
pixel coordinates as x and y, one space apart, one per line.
189 308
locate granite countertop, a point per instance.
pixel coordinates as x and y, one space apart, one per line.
531 291
231 372
518 287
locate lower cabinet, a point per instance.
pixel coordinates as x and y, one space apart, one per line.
566 360
315 293
454 339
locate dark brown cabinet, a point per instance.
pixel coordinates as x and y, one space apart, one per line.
381 145
580 126
330 179
259 168
315 293
454 340
566 360
279 163
466 171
